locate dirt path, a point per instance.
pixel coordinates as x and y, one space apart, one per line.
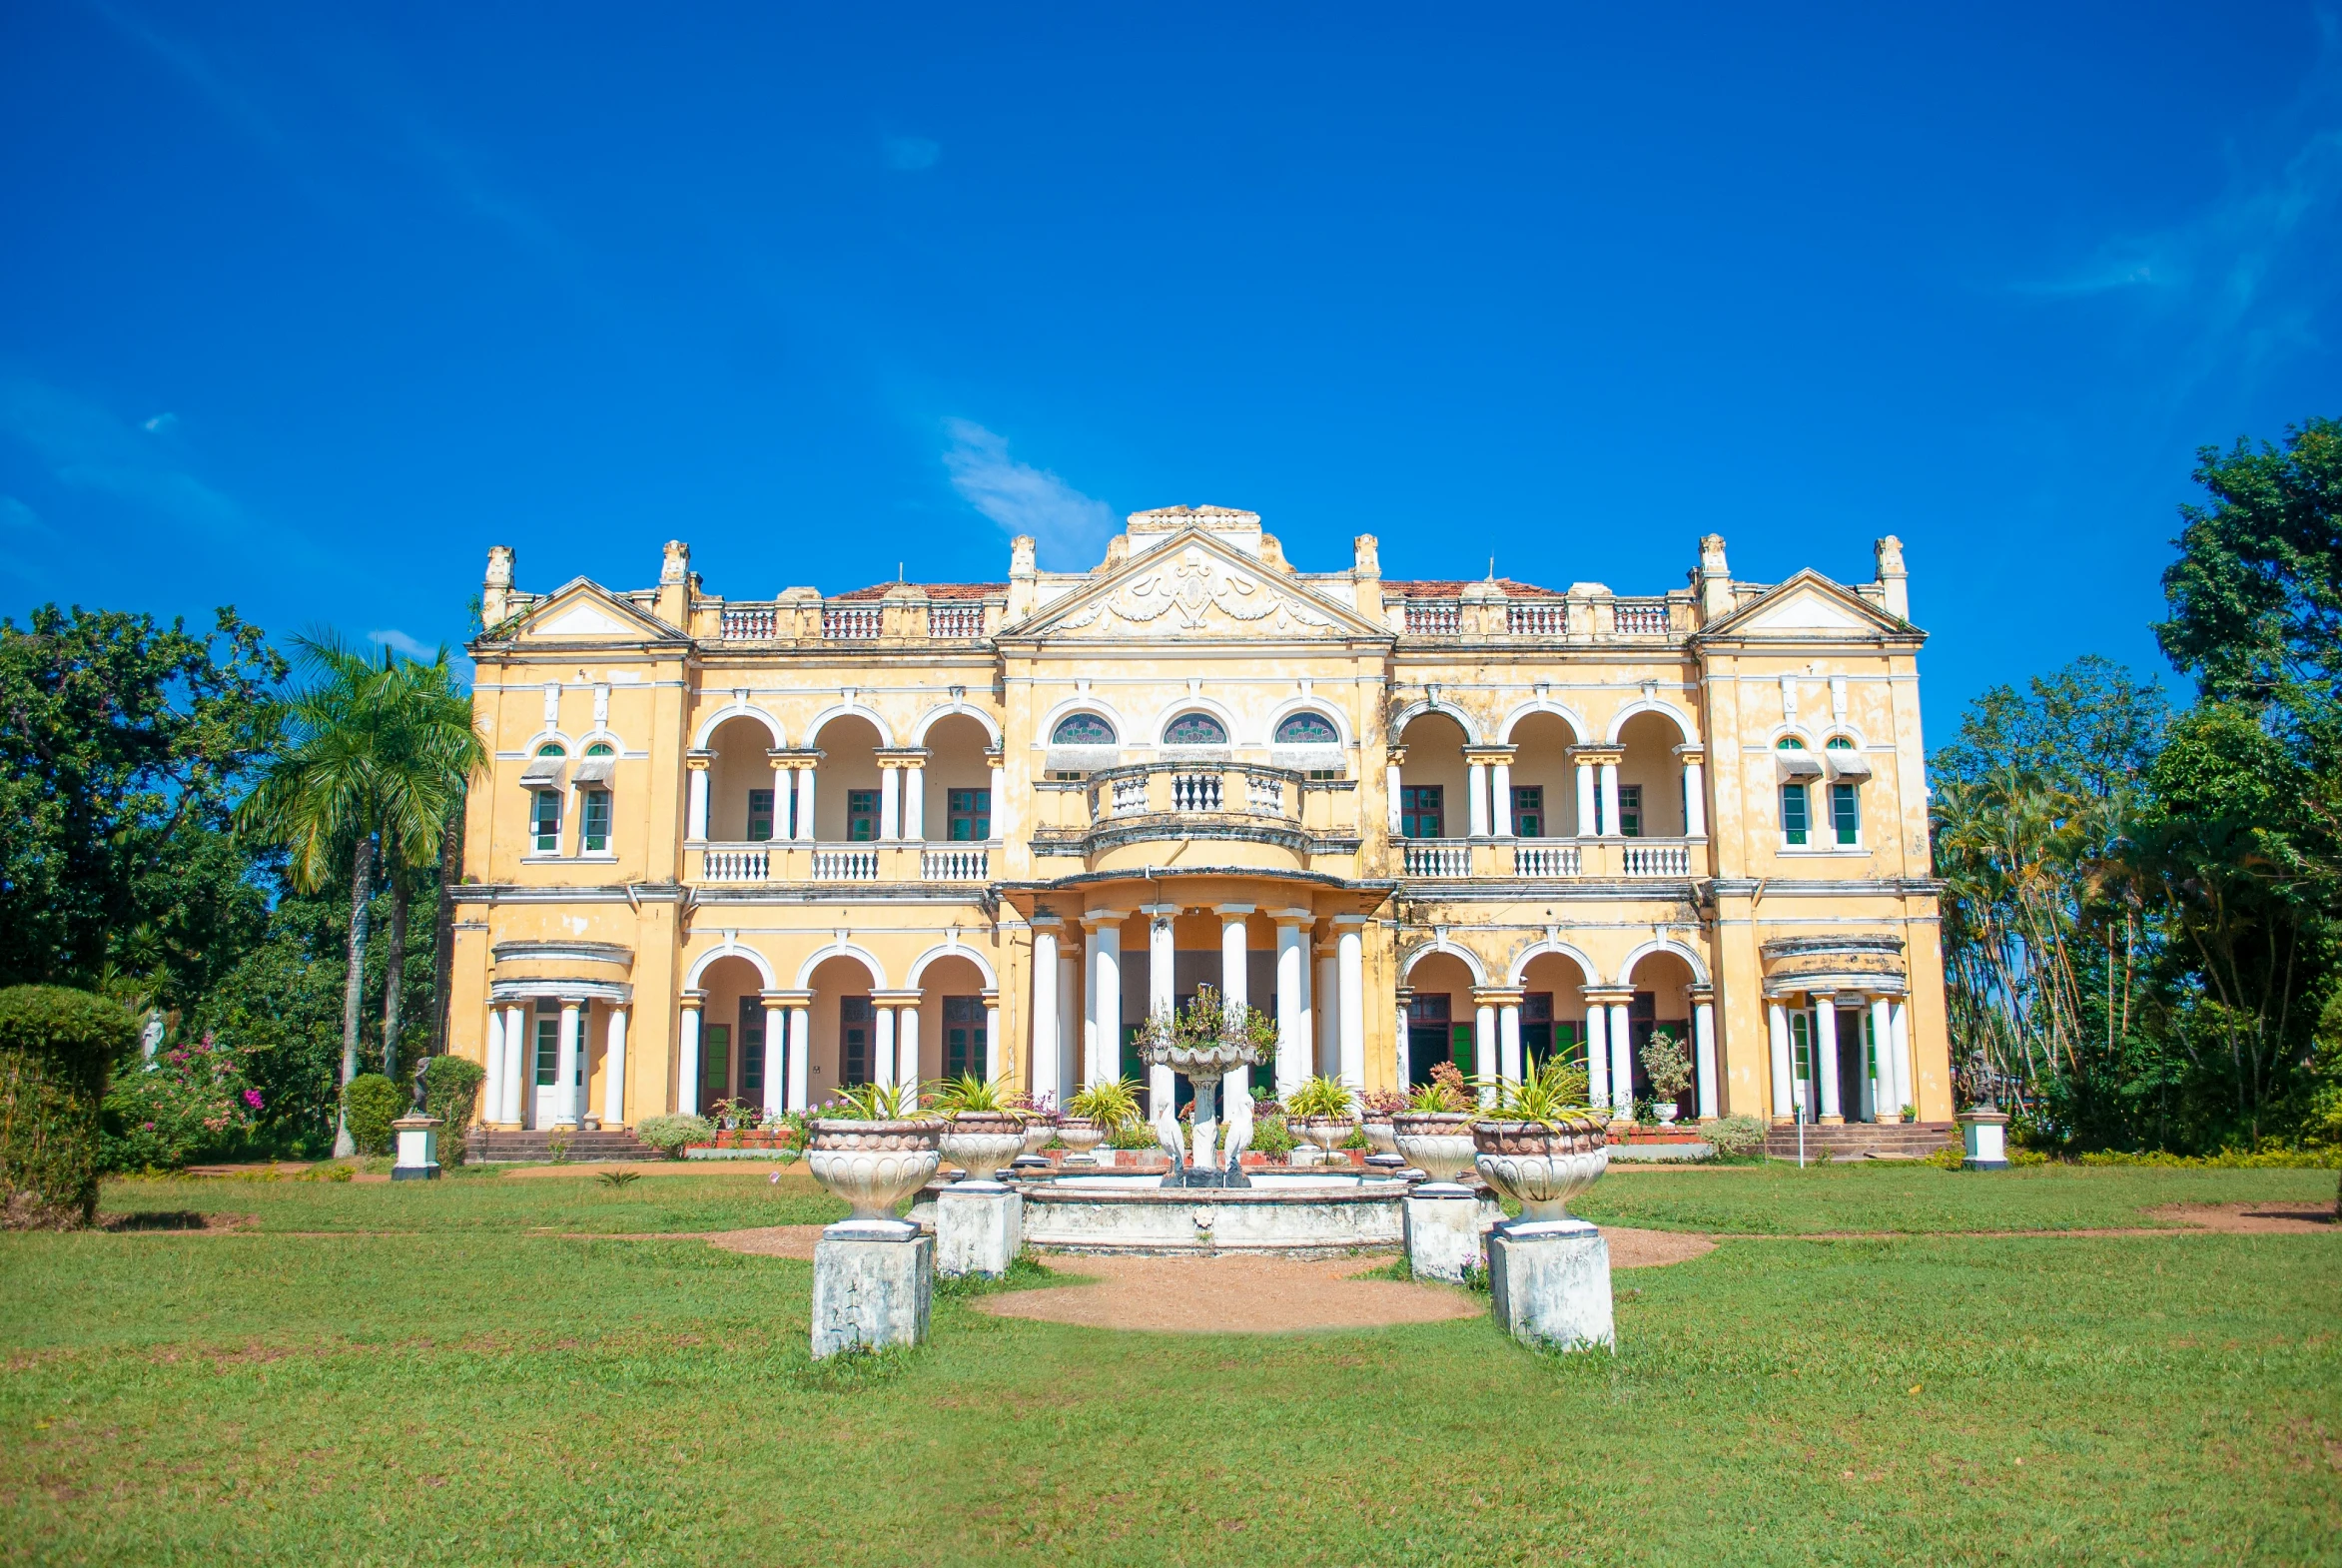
2252 1219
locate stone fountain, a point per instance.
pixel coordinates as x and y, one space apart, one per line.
1213 1164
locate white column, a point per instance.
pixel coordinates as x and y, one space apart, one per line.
565 1093
1161 1086
992 1037
1390 783
1704 1057
614 1072
687 1064
1292 1005
1825 1048
890 804
1585 799
696 826
1610 800
1488 1056
1406 1064
1694 799
492 1109
1042 1080
776 1059
781 772
1886 1105
1783 1067
1508 1042
882 1051
519 1049
1329 1061
1500 798
805 807
1234 983
1597 1053
999 814
1621 1061
1906 1085
1350 965
907 1046
1476 794
1106 1004
915 803
800 1057
1061 1087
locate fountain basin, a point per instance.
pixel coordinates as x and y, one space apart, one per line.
1278 1215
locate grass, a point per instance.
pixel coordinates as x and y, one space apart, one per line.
457 1376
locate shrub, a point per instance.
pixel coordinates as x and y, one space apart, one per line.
1357 1139
1271 1137
1665 1065
1736 1137
2228 1160
671 1136
1109 1102
1320 1096
450 1090
192 1102
372 1102
55 1048
1134 1134
1951 1157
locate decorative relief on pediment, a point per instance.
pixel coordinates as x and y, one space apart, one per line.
1189 593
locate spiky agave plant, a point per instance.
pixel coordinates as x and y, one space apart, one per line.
1111 1102
970 1092
874 1103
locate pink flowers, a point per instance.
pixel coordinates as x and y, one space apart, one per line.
251 1098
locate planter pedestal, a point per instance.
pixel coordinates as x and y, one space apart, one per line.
419 1149
1985 1133
1549 1283
1443 1230
978 1229
872 1283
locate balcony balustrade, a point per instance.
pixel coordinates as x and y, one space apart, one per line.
1537 618
1655 859
955 620
954 863
1438 858
845 863
735 863
1643 619
750 622
850 622
1544 858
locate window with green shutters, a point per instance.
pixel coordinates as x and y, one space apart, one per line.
1420 814
1528 809
1794 823
852 1041
760 816
593 836
547 822
1800 1056
969 815
963 1037
751 1048
715 1061
1630 811
861 815
1845 817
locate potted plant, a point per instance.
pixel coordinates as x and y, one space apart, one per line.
1539 1150
1098 1113
1434 1132
872 1148
981 1132
1669 1070
1040 1122
1380 1106
1321 1112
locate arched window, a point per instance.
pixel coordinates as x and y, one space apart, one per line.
1792 743
1845 804
593 798
1082 729
551 748
1307 729
1797 802
1836 743
1194 729
600 748
544 778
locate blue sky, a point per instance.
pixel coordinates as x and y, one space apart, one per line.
303 308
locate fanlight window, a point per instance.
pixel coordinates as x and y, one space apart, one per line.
1082 729
1790 743
550 750
1307 729
599 749
1837 743
1194 729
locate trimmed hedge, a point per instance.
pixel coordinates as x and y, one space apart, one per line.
451 1087
56 1048
374 1102
671 1136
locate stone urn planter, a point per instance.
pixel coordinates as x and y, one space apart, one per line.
981 1142
1322 1132
1665 1111
1080 1135
1038 1129
874 1166
1542 1166
1437 1143
1380 1134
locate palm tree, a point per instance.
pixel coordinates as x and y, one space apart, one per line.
373 750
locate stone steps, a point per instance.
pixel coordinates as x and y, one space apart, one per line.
493 1147
1861 1140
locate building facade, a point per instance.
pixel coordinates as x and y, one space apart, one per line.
757 850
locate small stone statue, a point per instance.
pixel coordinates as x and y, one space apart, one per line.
422 1087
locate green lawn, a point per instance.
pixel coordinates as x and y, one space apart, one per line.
472 1385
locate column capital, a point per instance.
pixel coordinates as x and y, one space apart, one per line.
1498 996
1236 910
1608 995
698 761
1395 756
1703 994
1043 921
1504 753
1098 918
692 1000
1404 993
1293 917
794 756
990 995
1350 922
1693 751
994 758
1159 911
902 996
900 756
1586 754
792 999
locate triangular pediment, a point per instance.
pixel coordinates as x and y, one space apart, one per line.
581 611
1806 607
1194 586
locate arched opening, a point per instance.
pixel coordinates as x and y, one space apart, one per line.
1544 789
1439 1020
731 1037
956 782
1195 728
843 1048
845 794
740 784
1432 803
1553 1011
1662 1000
952 1021
1650 778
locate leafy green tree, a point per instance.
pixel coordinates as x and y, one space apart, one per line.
2091 730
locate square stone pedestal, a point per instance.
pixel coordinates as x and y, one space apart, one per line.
1984 1132
419 1149
872 1283
1549 1283
978 1229
1443 1230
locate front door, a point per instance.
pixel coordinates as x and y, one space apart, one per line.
1430 1036
1854 1064
715 1061
963 1044
545 1078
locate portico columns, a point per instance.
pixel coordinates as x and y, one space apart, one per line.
1234 983
992 1050
1589 822
1906 1087
997 812
1500 794
1406 1066
1162 1087
1695 791
1476 792
1351 968
614 1070
783 771
1069 1035
776 1053
1825 1048
890 800
695 817
799 1068
1500 1049
915 800
1783 1068
882 1050
1102 1044
1597 1049
565 1104
687 1051
1328 1061
898 1028
1292 997
492 1109
1487 1058
1611 1002
1609 819
1041 1083
1865 1094
1704 1051
1391 784
805 805
518 1047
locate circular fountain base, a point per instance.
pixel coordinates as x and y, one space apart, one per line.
1278 1215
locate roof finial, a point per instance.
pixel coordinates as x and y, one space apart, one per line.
1491 569
898 571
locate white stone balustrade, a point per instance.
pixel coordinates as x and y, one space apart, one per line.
1654 858
845 863
954 863
735 863
1531 857
1438 858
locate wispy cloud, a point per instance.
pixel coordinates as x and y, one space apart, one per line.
1067 525
400 642
910 154
86 447
26 544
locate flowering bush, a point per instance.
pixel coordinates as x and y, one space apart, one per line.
194 1102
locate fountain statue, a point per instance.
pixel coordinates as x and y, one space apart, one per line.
1204 1045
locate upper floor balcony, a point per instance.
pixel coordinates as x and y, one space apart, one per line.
903 613
1511 612
1546 860
1258 813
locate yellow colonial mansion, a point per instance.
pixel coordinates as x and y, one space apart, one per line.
759 849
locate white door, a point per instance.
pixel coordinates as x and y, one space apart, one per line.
544 1065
